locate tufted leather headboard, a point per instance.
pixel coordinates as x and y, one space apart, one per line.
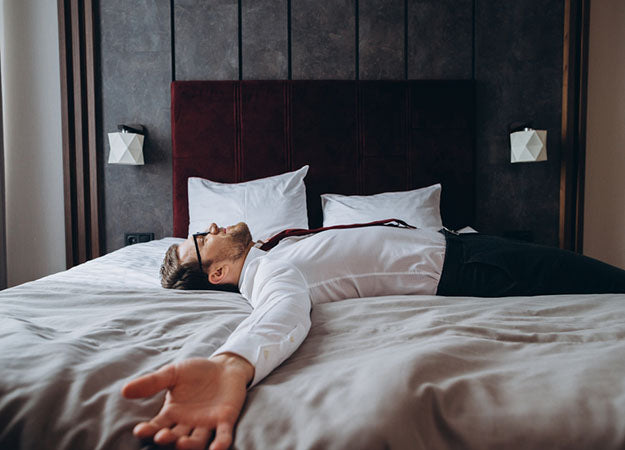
359 137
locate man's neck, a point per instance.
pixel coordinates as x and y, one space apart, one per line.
241 262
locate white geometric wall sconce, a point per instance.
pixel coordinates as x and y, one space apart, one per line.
528 145
127 145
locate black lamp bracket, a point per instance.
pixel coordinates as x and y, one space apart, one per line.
132 128
518 126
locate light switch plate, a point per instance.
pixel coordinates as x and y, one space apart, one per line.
135 238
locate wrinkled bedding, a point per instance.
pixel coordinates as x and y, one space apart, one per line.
400 372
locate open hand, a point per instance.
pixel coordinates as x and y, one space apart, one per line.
203 395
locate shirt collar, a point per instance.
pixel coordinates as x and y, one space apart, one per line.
253 254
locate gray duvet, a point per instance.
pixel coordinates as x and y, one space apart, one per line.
418 372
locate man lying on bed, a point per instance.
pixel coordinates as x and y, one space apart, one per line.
206 395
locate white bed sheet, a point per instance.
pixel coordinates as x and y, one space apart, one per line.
401 372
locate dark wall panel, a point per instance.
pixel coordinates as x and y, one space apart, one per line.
381 40
206 39
440 39
135 54
264 44
323 39
518 68
264 114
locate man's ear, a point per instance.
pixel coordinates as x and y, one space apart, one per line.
218 272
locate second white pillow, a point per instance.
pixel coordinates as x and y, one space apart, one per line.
419 207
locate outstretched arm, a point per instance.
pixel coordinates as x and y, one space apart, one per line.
279 322
203 395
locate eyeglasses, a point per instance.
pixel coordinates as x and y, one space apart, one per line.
197 249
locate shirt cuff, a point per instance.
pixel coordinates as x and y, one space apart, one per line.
263 356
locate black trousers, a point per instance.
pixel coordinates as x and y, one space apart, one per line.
479 265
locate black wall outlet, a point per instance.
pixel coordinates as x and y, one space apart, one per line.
135 238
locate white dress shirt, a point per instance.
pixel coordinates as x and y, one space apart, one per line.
284 283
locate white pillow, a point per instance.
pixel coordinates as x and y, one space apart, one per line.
420 207
267 205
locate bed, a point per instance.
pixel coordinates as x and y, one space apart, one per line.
399 372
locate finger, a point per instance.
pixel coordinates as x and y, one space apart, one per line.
145 430
167 436
223 437
197 440
150 384
181 430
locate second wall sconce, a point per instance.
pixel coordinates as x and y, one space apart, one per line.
527 144
127 145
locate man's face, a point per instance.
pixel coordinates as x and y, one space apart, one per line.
221 243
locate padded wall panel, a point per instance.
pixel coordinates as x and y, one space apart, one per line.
442 156
324 134
384 174
204 135
383 111
354 135
441 121
440 104
264 146
207 129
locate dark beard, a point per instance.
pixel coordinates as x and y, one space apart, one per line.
240 239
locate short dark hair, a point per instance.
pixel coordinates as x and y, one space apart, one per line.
177 275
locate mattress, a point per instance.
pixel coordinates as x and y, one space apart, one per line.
399 372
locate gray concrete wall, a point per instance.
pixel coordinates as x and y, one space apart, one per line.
136 71
513 50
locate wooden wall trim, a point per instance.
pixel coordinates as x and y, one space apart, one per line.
80 158
3 256
94 187
574 88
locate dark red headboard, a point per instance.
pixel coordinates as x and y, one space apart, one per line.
359 137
